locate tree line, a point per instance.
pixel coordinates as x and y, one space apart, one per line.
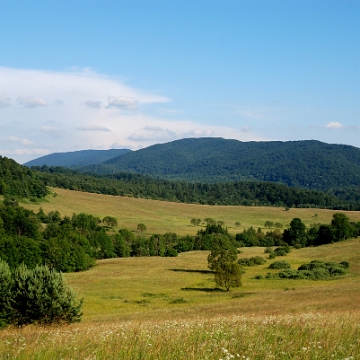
248 193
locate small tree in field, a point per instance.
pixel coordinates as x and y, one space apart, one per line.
228 275
110 221
195 222
222 261
40 296
141 227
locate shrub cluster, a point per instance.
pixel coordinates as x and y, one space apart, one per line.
315 270
253 261
36 296
281 264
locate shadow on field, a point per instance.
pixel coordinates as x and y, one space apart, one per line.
193 271
204 289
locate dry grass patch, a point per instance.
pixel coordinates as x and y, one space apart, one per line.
161 216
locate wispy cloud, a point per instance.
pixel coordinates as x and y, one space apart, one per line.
94 104
100 110
4 101
31 102
93 128
123 102
14 139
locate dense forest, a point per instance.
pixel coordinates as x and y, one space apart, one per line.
303 164
233 193
20 181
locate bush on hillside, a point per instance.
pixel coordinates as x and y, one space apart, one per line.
36 296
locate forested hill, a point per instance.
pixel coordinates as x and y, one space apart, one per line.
77 158
306 164
19 181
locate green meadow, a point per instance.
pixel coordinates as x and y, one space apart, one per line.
170 308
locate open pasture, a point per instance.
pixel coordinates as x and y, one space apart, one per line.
169 308
161 217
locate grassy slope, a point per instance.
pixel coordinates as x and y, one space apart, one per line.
161 216
129 311
144 288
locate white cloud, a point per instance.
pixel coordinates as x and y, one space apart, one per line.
82 95
4 101
15 139
123 102
93 128
31 102
334 125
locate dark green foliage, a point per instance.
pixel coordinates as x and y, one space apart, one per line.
296 234
253 261
281 264
307 164
228 193
5 293
40 296
19 181
315 270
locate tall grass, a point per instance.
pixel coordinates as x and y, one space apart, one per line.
306 336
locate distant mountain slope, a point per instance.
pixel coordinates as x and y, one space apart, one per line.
77 158
306 164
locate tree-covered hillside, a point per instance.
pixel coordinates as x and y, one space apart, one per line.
77 158
17 180
306 164
231 193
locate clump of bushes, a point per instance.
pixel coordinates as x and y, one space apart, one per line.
253 261
314 270
279 251
36 296
281 264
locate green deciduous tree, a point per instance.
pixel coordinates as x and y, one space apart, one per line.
141 227
222 261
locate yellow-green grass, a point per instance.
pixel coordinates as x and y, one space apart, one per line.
168 308
152 287
161 217
140 308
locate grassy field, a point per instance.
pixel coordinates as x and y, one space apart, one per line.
161 217
169 308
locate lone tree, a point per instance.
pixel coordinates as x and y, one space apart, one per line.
110 221
222 261
36 296
195 222
141 227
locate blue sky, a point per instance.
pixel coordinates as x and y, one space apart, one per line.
103 74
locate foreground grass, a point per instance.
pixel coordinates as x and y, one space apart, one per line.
308 336
169 308
161 216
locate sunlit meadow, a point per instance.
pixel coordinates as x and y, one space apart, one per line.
170 308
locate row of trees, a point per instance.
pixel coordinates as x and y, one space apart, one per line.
249 193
